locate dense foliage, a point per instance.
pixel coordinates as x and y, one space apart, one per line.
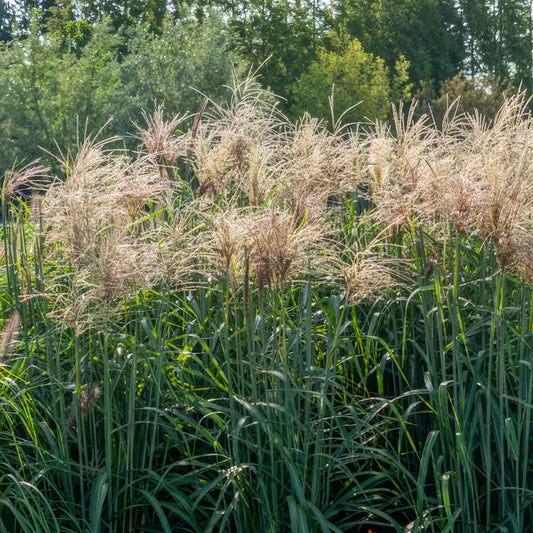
252 312
260 325
55 87
68 66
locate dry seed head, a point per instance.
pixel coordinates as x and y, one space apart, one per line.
380 152
88 397
121 265
486 180
237 147
402 181
102 191
9 336
160 139
76 305
210 162
321 163
182 250
285 248
365 277
260 175
231 235
98 220
33 175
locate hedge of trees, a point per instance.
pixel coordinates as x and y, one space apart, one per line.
68 66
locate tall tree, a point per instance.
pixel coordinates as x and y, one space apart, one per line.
7 16
287 33
355 77
51 89
428 33
500 38
26 7
126 11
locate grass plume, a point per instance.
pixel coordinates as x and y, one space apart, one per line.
308 330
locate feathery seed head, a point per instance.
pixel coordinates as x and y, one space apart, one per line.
365 276
161 141
34 175
284 247
9 336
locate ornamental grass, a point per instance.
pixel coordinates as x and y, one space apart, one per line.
254 325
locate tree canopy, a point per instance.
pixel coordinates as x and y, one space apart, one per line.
67 65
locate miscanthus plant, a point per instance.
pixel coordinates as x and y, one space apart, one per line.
256 325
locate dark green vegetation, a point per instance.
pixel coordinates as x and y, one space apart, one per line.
265 326
71 65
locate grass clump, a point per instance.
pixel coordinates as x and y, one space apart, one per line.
263 326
